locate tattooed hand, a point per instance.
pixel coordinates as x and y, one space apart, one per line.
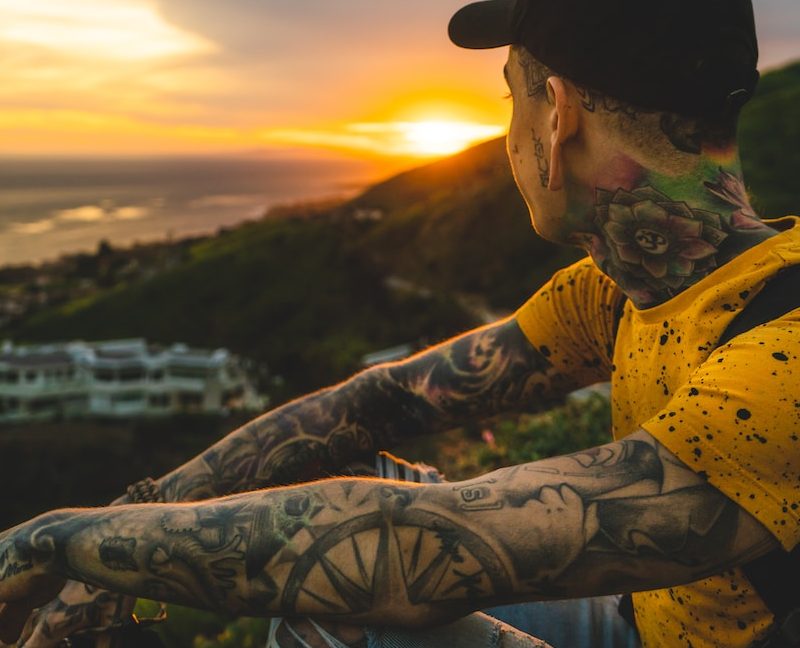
27 579
77 607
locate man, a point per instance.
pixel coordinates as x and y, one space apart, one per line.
622 141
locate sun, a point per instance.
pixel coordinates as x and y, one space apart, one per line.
422 138
432 138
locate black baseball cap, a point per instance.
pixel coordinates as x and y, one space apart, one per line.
692 57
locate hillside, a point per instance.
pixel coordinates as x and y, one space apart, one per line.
289 293
770 141
309 291
461 225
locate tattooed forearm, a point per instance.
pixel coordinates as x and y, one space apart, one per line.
13 564
471 377
621 517
475 376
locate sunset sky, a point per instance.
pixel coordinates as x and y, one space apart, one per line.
371 78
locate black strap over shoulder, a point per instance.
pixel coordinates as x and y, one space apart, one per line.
775 576
779 296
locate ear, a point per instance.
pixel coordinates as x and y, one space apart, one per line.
563 126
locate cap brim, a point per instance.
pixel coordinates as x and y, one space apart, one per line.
484 25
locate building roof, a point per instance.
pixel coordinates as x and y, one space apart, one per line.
128 353
36 359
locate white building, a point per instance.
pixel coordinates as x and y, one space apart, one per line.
119 378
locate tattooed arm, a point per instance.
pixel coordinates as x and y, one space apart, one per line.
476 375
621 517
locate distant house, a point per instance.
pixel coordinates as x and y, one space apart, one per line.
369 215
120 378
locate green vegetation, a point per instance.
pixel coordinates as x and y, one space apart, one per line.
507 441
288 293
770 141
90 463
307 292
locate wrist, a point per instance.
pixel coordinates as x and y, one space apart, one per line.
29 568
45 539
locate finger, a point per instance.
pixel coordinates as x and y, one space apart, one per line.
98 608
550 497
13 617
27 631
591 524
123 610
570 497
39 638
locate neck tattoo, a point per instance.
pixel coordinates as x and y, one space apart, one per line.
655 246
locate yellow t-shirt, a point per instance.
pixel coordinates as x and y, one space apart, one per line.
732 413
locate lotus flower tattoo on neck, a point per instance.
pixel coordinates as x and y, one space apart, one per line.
655 247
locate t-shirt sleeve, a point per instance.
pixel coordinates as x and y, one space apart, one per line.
570 320
737 421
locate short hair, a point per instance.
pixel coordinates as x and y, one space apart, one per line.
639 127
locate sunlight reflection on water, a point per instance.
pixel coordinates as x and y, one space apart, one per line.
52 206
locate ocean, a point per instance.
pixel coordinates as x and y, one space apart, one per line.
52 206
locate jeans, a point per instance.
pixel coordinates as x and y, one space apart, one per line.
478 630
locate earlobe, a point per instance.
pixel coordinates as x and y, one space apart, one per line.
563 126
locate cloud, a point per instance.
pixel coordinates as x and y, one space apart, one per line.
130 213
182 75
85 214
97 29
300 64
117 58
36 227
